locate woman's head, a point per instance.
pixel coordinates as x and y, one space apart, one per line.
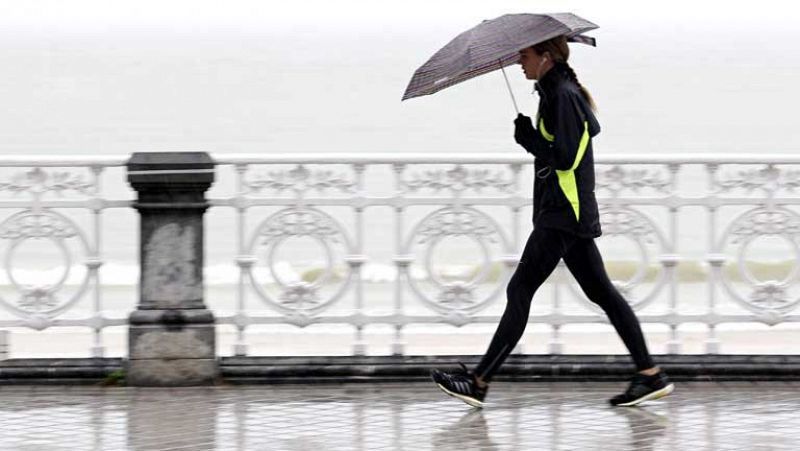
556 49
540 58
537 60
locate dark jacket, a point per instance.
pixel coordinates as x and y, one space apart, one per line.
563 191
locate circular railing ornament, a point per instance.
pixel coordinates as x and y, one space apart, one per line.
41 296
770 300
460 293
293 295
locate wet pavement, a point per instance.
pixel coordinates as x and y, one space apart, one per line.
529 416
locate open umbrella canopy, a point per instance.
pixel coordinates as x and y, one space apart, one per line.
492 45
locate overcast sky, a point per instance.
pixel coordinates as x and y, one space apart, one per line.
37 16
247 75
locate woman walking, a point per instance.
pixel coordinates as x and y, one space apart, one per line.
566 222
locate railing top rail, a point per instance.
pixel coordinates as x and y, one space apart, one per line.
497 158
63 160
406 158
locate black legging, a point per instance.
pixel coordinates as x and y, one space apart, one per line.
544 249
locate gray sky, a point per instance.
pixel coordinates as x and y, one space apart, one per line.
247 75
37 16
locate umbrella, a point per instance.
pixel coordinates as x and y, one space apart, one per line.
491 45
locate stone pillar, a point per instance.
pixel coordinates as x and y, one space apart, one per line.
171 339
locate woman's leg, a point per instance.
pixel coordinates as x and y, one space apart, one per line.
586 265
544 249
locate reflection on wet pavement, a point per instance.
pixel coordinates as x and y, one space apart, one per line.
547 416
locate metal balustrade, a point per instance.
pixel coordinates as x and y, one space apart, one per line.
39 198
407 240
688 217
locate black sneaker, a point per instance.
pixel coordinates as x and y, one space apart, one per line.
644 388
460 385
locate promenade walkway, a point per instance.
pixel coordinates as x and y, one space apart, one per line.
519 416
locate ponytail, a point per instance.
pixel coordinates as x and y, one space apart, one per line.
585 92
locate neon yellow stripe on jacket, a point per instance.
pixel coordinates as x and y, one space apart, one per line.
566 178
544 132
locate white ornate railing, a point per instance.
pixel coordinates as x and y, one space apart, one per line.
389 217
411 240
51 223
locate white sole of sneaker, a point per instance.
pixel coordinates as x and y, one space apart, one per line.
650 396
471 401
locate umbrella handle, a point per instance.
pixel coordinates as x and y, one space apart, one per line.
513 100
